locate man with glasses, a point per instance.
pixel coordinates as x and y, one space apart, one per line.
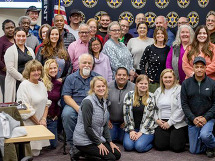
68 38
210 23
80 46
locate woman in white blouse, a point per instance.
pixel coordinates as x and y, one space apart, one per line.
33 92
171 130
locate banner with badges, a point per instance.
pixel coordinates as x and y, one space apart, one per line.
196 10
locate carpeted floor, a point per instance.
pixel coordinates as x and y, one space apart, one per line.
152 155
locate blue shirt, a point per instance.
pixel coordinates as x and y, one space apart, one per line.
35 32
77 87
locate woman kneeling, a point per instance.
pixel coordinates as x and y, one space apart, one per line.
172 130
91 134
139 117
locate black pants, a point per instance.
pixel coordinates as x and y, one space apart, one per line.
93 150
173 139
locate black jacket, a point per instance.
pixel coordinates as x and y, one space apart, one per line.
198 100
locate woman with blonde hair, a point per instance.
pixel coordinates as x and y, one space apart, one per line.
54 94
33 92
93 25
53 48
91 134
171 130
139 112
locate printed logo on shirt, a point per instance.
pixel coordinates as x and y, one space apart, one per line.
193 19
99 14
67 3
128 16
90 3
138 4
162 3
203 3
172 19
183 3
114 3
150 18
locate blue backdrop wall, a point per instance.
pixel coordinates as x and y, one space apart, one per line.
196 11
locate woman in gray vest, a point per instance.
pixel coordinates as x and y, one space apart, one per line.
91 135
184 38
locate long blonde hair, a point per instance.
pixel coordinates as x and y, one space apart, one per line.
92 85
46 78
136 102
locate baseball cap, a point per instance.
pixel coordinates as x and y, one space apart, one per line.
32 8
75 11
199 59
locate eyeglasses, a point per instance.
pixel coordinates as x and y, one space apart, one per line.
84 33
115 30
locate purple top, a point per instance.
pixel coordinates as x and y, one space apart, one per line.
169 63
4 45
102 67
54 95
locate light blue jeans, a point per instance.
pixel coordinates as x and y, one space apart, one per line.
201 138
69 119
143 144
117 134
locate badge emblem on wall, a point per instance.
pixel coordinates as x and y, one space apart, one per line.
83 16
8 0
128 16
67 3
90 3
114 3
162 3
98 15
193 19
138 4
172 19
150 18
203 3
183 3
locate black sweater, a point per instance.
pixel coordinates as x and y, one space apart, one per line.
198 100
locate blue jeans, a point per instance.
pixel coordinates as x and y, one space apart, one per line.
117 134
200 138
143 144
52 126
69 118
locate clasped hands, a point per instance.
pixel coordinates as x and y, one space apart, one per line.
199 121
163 124
135 135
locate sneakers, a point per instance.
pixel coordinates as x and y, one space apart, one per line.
210 153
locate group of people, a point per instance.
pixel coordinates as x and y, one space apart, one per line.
104 83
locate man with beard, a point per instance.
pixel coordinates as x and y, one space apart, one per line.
75 19
74 91
8 26
117 91
210 23
33 13
67 37
105 20
32 40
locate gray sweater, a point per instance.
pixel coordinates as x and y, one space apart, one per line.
116 98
